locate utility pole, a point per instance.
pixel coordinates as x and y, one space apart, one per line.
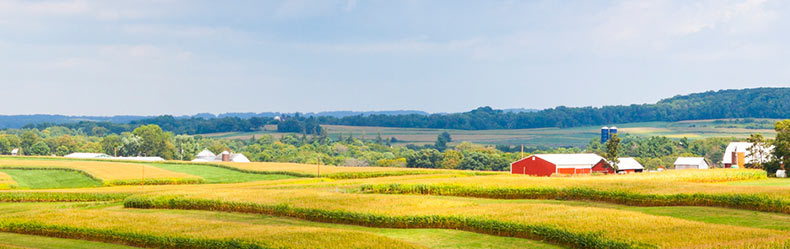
522 151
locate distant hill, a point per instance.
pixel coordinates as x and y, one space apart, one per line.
743 103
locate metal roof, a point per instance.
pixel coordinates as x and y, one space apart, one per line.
690 161
628 163
571 160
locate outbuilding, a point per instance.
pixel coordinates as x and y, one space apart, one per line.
629 165
691 163
567 164
739 154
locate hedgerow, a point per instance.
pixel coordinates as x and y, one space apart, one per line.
59 197
127 238
155 181
537 232
738 201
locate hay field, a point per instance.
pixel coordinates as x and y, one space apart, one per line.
6 181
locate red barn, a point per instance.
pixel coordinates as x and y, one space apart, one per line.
569 164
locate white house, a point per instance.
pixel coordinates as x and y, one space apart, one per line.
629 165
691 163
207 156
739 154
15 152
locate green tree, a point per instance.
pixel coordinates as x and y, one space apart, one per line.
782 141
111 144
154 141
27 139
5 145
62 151
186 147
451 159
40 148
611 155
442 140
757 149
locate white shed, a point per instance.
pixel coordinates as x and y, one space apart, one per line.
629 165
15 152
691 163
86 155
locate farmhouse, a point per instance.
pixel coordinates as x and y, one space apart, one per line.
15 152
691 163
208 156
629 165
570 164
739 154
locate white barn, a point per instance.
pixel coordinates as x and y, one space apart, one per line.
629 165
739 154
691 163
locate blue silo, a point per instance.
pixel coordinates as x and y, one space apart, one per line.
604 134
612 131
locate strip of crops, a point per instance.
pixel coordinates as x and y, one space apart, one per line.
499 228
127 238
738 201
156 181
59 197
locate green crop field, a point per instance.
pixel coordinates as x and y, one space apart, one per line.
376 207
542 136
41 179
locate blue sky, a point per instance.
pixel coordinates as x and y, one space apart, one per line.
184 57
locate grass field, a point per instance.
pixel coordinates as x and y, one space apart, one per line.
12 240
614 211
43 179
6 181
218 175
541 136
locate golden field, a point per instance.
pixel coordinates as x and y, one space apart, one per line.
329 201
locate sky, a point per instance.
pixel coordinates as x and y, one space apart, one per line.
147 57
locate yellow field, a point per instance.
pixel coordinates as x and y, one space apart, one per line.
173 224
320 199
323 169
6 181
107 171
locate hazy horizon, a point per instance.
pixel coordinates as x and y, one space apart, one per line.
106 58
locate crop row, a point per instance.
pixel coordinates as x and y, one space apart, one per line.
738 201
114 236
59 197
499 228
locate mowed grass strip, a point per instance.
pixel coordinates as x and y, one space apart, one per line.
50 179
111 173
213 174
340 172
13 240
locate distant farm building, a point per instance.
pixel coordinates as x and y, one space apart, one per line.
691 163
86 155
629 165
15 152
607 133
569 164
208 156
739 154
89 155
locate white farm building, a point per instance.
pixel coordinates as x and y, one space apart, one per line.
629 165
739 154
691 163
208 156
